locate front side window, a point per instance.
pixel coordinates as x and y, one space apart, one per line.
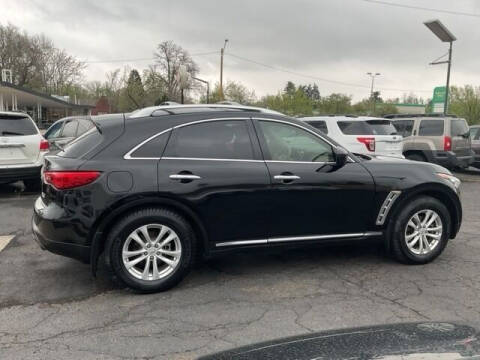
70 128
404 127
459 127
431 128
54 131
290 143
225 139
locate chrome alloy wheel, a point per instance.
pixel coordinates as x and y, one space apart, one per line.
151 252
423 232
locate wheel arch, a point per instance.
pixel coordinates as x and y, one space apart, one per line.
438 191
118 210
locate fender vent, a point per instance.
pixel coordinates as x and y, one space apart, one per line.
387 204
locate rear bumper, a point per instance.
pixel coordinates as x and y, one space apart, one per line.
9 174
56 235
449 159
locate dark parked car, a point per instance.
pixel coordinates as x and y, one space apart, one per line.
155 188
475 137
61 132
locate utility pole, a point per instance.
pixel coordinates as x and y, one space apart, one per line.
222 51
447 90
372 99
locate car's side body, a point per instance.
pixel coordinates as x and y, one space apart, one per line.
475 138
231 203
360 134
438 139
22 148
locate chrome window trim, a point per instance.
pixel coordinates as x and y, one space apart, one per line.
208 159
128 155
300 238
386 206
306 129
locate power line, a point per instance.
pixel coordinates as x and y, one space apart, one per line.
138 59
443 11
319 78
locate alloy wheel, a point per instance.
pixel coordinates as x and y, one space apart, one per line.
423 232
151 252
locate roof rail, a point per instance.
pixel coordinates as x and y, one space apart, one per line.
195 108
406 116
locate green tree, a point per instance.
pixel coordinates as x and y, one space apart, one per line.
134 93
465 102
294 104
335 103
290 88
232 91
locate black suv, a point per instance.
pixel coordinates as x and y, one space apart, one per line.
155 188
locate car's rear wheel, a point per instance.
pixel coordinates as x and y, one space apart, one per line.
420 231
152 249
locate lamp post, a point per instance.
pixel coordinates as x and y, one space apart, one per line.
222 51
444 35
373 76
208 87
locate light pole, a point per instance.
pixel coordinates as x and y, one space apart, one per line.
222 51
373 75
444 35
208 87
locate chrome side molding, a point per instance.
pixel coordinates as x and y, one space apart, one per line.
386 206
300 238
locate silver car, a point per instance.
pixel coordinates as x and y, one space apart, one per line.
22 149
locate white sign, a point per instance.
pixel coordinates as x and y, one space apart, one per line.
438 108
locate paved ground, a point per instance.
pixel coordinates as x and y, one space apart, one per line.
50 307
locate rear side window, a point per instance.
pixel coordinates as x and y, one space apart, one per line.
83 126
382 127
16 126
70 128
475 133
213 140
459 127
320 125
153 148
355 127
404 127
82 145
431 128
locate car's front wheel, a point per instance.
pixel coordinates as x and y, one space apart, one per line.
151 249
420 231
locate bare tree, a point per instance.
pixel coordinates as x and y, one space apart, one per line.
169 57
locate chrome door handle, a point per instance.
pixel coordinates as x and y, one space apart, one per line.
286 177
184 177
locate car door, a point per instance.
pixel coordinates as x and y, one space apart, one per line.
215 166
311 199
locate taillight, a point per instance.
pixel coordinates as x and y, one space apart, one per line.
44 145
368 141
69 179
447 143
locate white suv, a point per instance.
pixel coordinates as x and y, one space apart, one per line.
22 149
360 134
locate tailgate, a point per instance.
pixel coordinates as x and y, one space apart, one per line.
19 149
389 145
461 143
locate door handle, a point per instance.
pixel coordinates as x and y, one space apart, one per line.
184 177
286 177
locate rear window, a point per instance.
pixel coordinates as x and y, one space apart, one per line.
82 145
355 127
320 125
16 126
459 127
431 128
382 127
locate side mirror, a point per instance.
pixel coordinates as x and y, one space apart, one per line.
341 156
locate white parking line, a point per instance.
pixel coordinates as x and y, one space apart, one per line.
4 240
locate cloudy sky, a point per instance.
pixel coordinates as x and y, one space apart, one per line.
330 42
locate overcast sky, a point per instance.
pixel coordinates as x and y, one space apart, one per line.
335 40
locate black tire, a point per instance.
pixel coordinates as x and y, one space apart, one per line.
398 244
32 184
416 157
134 220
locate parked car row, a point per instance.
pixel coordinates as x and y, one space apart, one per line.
155 189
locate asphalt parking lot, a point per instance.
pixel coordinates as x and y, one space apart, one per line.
51 307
